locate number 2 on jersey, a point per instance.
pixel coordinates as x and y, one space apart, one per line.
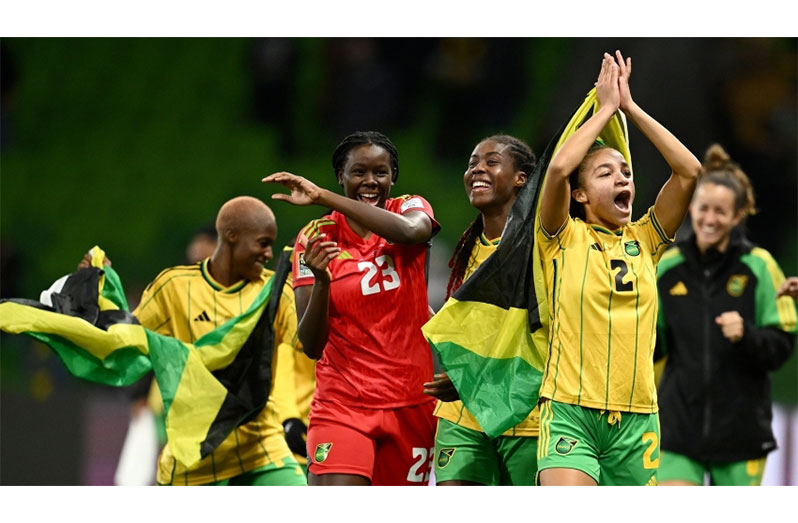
620 286
369 284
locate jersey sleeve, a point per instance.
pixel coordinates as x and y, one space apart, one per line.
651 235
550 244
771 312
152 311
415 203
285 340
301 273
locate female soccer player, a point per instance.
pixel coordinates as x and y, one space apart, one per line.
359 278
724 332
497 169
598 417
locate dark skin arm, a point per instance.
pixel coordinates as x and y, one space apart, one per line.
409 228
313 302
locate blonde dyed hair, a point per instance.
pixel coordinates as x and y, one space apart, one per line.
718 168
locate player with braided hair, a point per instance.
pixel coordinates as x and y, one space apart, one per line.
359 278
497 169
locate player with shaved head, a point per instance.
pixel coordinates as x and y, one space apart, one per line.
188 301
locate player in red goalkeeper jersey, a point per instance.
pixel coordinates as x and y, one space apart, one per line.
359 279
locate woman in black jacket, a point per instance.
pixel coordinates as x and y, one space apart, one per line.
724 331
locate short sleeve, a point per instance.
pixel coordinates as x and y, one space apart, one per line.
151 311
411 203
651 234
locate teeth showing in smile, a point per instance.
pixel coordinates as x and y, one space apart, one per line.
369 198
480 185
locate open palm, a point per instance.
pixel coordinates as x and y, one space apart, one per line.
303 191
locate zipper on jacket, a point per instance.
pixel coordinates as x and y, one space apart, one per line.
706 430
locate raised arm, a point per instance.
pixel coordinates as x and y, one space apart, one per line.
411 227
674 197
556 197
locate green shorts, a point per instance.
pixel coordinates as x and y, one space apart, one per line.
290 474
463 454
678 467
611 447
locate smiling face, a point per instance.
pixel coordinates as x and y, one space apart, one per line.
252 247
367 175
713 216
606 190
491 178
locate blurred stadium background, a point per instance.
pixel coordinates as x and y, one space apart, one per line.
133 144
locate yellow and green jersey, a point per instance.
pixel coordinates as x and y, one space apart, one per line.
185 302
602 294
455 411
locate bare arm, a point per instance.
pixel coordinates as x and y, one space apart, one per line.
313 303
556 197
412 227
674 197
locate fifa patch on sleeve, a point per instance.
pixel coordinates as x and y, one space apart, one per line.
412 203
304 270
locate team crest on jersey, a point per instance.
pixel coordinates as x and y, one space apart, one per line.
304 270
565 445
736 284
632 248
445 457
322 451
680 289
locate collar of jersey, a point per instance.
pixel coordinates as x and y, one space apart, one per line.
215 284
485 241
599 228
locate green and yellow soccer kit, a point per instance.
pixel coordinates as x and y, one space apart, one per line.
602 294
463 451
185 302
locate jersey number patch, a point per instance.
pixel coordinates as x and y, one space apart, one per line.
623 269
369 284
653 441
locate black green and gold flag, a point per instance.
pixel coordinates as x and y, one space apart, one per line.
491 335
208 388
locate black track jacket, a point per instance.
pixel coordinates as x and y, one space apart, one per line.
714 395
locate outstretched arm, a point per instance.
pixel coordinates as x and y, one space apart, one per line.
556 198
674 197
411 227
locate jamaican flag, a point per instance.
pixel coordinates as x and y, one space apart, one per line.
208 388
491 335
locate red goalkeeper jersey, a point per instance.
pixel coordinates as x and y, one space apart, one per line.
376 355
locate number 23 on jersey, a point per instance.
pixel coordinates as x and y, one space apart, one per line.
378 276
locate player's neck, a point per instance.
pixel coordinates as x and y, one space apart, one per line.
493 223
220 267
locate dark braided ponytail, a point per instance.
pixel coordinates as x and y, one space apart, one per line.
459 260
523 160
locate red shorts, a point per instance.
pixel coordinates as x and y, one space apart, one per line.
387 446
